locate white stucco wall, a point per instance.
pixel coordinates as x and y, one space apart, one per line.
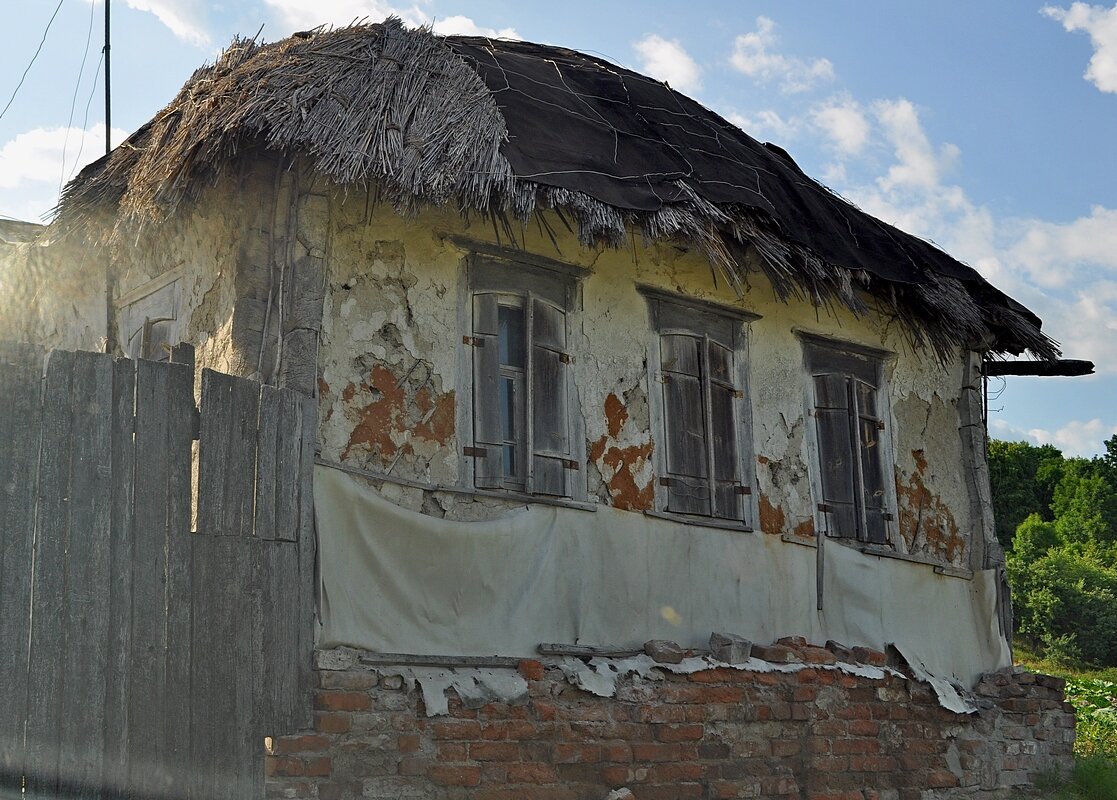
395 387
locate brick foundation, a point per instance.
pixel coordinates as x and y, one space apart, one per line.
815 734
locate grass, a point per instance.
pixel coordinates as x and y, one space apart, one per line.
1093 693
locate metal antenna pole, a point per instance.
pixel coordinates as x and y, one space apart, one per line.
108 97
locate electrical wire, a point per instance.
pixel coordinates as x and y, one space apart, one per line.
74 99
33 58
85 119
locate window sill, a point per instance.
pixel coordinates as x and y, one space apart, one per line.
701 522
888 552
517 497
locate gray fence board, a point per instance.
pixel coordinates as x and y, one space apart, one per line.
268 430
86 604
20 429
215 431
179 409
44 680
288 470
119 639
146 709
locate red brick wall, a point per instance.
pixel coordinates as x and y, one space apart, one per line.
818 733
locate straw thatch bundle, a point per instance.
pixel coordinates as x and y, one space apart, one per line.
425 120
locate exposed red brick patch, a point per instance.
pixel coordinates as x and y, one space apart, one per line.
804 529
772 518
616 415
626 493
380 422
924 516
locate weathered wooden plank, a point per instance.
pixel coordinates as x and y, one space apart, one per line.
246 591
20 430
308 430
179 408
86 562
228 462
119 637
215 428
280 697
45 665
287 466
207 706
147 701
268 490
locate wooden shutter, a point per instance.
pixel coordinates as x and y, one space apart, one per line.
687 479
551 440
488 471
836 454
723 433
869 429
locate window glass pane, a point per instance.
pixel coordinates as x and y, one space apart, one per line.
510 460
866 399
508 408
511 336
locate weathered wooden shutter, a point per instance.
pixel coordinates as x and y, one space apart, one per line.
687 479
488 470
551 440
836 453
723 433
869 428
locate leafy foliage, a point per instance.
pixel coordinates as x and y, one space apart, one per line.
1062 554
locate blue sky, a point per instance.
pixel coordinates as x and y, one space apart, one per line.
987 127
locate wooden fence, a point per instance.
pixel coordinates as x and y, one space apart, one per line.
139 658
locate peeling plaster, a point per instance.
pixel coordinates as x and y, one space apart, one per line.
626 469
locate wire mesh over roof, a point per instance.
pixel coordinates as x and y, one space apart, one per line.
510 129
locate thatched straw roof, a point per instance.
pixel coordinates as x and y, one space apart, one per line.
512 128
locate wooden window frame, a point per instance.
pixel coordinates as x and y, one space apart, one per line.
709 325
548 473
852 366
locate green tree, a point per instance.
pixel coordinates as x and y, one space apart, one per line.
1033 539
1067 601
1085 503
1023 477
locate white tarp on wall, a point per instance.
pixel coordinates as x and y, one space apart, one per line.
397 581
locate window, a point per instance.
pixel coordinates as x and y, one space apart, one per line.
522 428
852 452
148 319
701 399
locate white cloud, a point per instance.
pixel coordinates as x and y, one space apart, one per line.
753 56
766 125
35 156
294 15
666 60
1101 24
1076 438
844 124
186 19
918 164
464 26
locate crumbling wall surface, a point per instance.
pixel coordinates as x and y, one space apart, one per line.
394 376
809 730
53 294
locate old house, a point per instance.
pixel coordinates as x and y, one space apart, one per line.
593 368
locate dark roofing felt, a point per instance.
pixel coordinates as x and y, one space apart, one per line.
510 128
